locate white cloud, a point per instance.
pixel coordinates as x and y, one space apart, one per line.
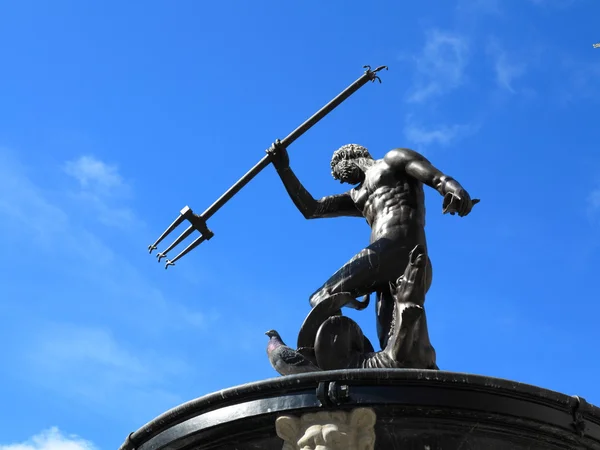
64 348
506 68
580 81
441 134
52 439
440 67
507 72
91 364
26 207
94 174
106 211
101 187
593 201
110 369
29 212
553 3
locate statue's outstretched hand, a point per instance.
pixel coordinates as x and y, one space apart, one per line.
458 202
279 155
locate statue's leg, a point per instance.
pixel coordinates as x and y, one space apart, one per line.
356 278
359 276
368 271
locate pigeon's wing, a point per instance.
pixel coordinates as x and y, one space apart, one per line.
308 353
292 358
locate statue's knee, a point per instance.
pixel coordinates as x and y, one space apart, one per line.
317 298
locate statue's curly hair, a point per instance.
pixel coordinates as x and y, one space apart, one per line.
346 152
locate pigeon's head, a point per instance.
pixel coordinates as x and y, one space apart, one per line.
273 333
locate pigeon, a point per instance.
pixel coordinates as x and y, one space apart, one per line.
286 360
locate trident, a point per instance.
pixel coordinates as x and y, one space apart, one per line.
198 222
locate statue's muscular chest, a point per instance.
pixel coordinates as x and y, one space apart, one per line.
378 178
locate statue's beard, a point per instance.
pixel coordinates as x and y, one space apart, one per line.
348 172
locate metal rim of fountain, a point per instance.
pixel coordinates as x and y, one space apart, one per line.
341 389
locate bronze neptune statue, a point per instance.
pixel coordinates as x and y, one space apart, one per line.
389 195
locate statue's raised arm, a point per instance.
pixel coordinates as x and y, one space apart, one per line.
340 205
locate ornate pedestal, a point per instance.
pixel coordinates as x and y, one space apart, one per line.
376 409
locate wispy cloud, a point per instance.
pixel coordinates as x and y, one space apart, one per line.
91 364
94 174
553 3
30 212
593 202
580 81
52 439
101 188
507 68
440 66
104 366
25 207
439 69
440 134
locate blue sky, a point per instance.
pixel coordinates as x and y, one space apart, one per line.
115 115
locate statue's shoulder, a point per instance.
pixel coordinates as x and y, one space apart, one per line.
404 153
399 157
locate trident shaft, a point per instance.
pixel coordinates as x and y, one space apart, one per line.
198 222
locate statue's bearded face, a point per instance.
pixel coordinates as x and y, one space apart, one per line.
348 171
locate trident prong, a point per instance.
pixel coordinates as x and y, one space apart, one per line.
372 73
199 240
176 242
196 223
171 227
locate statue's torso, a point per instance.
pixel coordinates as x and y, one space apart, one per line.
391 202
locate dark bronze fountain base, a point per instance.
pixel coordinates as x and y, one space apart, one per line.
415 409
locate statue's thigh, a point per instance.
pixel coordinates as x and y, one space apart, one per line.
369 270
393 262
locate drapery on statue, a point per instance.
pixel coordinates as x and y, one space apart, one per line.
389 194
